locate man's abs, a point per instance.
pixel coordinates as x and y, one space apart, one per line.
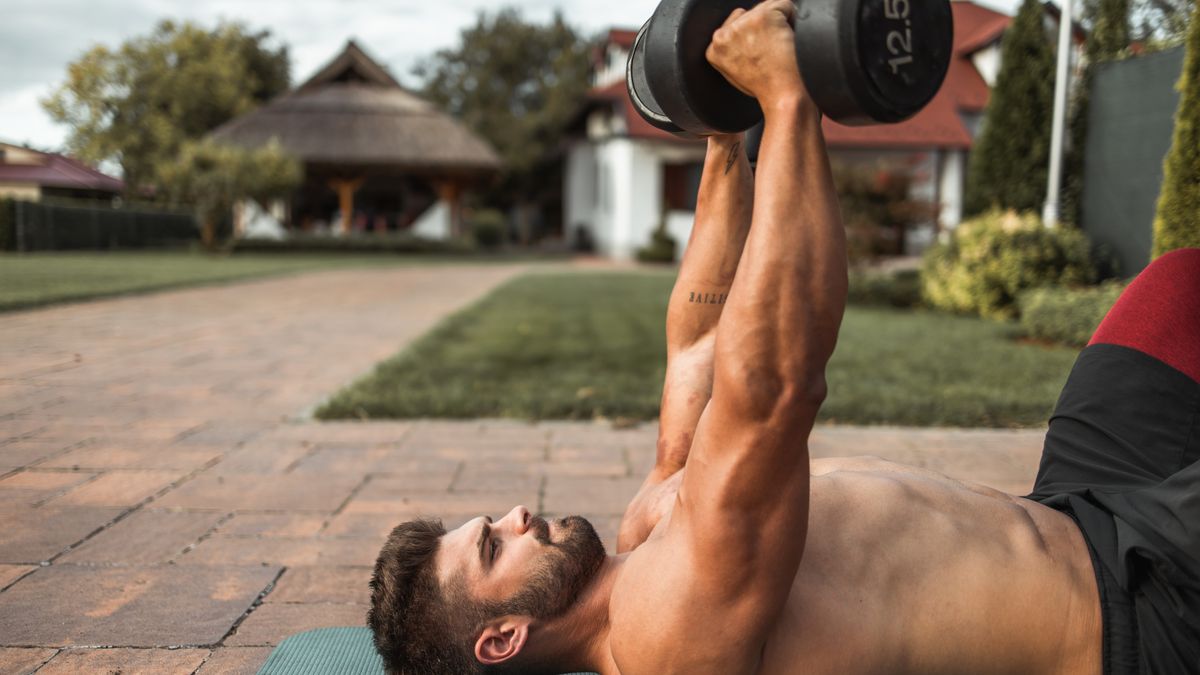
905 570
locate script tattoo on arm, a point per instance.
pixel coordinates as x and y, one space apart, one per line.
732 158
706 298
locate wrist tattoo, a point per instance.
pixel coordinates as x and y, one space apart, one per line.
706 298
733 156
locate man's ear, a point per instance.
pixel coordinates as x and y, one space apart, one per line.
502 640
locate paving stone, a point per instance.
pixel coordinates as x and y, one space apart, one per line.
568 494
263 457
21 660
20 427
323 584
273 525
343 432
10 573
235 661
164 605
146 537
290 492
20 453
125 661
132 455
224 433
28 488
494 476
343 460
32 535
222 550
269 624
374 525
119 488
378 497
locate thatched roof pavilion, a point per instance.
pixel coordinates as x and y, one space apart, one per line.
356 130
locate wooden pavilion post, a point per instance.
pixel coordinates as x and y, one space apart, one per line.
345 188
450 191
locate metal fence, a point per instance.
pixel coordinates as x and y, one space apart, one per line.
61 226
1130 122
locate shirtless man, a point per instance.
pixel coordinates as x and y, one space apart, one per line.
739 555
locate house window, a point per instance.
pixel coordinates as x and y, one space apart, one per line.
681 184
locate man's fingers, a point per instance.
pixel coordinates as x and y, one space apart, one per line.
785 7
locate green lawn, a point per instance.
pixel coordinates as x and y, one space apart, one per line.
31 280
586 345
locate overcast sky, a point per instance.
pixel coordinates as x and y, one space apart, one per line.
38 38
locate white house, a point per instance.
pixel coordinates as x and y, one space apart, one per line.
623 176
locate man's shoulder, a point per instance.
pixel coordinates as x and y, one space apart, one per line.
664 619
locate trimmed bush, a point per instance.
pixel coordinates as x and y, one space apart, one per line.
391 243
661 248
488 227
896 289
1177 223
1067 315
990 260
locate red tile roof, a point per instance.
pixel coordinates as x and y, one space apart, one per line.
60 171
938 125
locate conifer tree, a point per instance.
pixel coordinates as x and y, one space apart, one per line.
1008 164
1177 223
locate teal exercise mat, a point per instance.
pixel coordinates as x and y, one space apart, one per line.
345 651
328 651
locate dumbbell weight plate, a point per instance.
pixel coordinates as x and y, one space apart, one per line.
871 61
639 91
690 92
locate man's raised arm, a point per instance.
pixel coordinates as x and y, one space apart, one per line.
743 504
722 222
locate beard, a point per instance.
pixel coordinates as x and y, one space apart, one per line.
562 575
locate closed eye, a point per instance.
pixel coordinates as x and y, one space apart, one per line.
495 547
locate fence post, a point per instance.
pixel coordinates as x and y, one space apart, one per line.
49 211
20 217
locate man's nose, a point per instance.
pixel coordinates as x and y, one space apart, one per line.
520 518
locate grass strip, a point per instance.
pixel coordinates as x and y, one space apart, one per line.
587 345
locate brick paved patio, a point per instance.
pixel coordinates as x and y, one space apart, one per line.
161 488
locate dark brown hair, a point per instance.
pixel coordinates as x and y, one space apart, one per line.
411 617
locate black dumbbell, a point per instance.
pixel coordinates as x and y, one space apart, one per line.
863 62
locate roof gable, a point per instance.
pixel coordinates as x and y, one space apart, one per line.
50 169
352 65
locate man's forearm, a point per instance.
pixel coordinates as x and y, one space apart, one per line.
723 210
780 324
722 222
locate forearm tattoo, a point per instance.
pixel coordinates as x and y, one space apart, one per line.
706 298
733 157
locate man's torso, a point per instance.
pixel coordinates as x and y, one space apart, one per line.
908 571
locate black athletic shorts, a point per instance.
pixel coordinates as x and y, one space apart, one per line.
1122 458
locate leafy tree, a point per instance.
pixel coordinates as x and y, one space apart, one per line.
214 177
516 84
1158 24
138 104
1177 223
1008 164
